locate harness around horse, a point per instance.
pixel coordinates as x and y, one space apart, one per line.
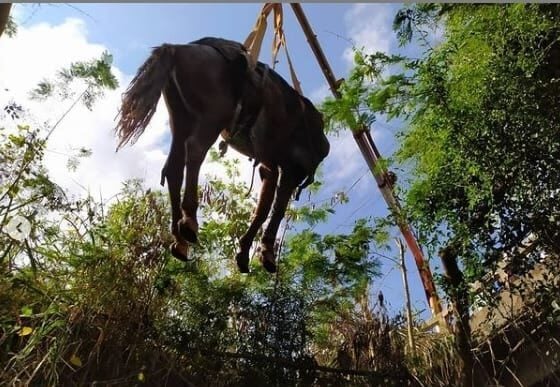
232 52
236 128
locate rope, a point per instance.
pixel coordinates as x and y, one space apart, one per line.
255 163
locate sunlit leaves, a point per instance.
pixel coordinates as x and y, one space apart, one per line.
481 100
74 160
416 19
13 110
44 89
25 331
11 27
95 74
75 360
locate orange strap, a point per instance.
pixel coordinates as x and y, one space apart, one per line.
253 43
295 80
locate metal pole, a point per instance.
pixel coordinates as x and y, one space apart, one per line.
370 153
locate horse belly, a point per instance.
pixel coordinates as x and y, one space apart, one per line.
240 143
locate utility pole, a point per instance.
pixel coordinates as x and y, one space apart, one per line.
402 266
372 156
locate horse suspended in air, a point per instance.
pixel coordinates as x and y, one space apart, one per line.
211 87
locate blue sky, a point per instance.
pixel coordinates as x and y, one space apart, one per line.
129 31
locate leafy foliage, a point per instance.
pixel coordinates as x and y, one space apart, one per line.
103 290
480 141
11 27
95 74
482 132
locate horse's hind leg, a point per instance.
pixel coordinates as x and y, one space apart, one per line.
173 170
174 167
198 143
288 184
269 179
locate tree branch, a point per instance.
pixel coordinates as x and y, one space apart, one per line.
4 15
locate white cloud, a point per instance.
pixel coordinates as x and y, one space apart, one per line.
318 95
369 27
38 52
346 159
41 50
345 162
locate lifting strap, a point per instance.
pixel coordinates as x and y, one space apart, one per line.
254 40
253 43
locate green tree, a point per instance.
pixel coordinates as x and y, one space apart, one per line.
481 135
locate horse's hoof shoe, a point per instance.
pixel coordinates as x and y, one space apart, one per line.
242 263
268 261
177 253
189 230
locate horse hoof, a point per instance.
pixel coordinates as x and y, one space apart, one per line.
180 253
188 230
268 261
242 262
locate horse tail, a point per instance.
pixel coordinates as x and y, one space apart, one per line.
141 98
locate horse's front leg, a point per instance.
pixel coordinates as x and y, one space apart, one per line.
269 179
288 184
173 171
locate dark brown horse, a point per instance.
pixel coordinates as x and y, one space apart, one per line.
210 88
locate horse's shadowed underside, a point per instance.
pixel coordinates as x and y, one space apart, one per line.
210 88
